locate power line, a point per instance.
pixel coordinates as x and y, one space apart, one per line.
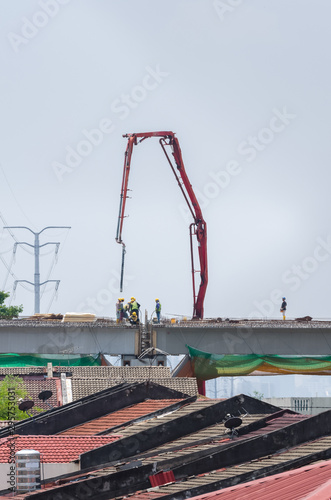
55 293
55 259
51 268
11 233
36 247
10 271
13 195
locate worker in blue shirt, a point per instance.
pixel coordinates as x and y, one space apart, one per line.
158 309
283 307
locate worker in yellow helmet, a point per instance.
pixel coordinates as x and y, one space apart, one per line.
134 306
126 309
158 309
134 320
119 309
122 312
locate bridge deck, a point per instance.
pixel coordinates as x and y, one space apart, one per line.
219 337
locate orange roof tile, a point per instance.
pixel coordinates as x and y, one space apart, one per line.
119 417
53 449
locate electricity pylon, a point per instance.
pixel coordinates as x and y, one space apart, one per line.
36 248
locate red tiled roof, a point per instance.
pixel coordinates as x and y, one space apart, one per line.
119 417
53 449
310 482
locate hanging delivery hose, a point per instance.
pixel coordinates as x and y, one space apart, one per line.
198 227
121 215
122 267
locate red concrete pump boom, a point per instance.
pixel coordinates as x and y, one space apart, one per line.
198 227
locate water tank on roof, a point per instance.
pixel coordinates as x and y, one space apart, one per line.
27 470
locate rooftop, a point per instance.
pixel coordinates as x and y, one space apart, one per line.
82 387
118 372
173 447
22 322
53 449
120 417
37 384
296 484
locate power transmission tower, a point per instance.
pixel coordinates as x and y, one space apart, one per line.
36 248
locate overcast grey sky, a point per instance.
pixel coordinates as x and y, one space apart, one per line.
245 85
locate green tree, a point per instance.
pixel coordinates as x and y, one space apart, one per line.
8 312
257 395
12 389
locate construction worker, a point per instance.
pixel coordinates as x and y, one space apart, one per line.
283 307
134 320
119 309
134 306
158 309
122 312
125 310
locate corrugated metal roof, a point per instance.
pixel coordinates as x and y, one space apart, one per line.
209 437
162 477
205 440
309 482
213 436
321 493
237 470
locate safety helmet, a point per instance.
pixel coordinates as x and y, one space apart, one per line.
122 299
134 314
157 300
119 300
132 298
284 298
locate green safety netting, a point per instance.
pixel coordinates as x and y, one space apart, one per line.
7 360
207 366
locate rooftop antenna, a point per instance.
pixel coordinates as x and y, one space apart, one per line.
150 351
243 415
44 395
233 423
25 406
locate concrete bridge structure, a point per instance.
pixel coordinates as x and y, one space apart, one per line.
287 338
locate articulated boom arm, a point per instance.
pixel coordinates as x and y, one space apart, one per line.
197 228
